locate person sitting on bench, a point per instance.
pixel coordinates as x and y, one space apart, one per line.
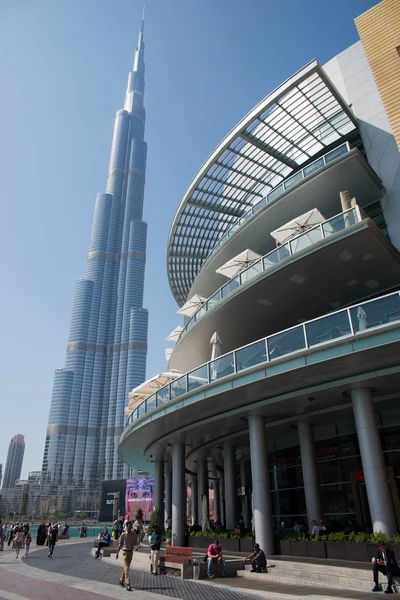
105 541
385 562
258 559
214 554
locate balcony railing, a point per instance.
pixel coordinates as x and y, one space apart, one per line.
301 241
373 314
311 169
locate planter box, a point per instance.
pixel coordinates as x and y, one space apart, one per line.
336 550
246 546
298 548
199 542
316 549
229 544
284 547
357 552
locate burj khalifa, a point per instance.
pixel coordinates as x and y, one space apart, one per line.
107 343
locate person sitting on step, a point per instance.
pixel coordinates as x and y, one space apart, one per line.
258 559
385 562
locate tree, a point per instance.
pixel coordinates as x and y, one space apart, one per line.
156 518
139 514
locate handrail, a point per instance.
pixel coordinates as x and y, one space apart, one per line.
343 323
354 214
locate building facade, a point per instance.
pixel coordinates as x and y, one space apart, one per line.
107 344
15 457
286 244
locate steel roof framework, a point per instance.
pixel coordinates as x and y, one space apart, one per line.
289 128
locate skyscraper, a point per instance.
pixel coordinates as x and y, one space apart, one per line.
15 456
107 344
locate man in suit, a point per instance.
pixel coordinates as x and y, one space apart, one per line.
385 562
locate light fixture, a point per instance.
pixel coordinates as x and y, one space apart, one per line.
264 302
297 279
345 255
372 284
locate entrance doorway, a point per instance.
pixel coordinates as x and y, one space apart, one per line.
360 498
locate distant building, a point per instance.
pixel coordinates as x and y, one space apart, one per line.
1 474
15 456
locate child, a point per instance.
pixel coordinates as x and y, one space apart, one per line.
28 540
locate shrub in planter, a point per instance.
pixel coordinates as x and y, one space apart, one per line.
284 546
298 546
335 545
316 548
356 547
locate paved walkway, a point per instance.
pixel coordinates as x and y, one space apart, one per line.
73 574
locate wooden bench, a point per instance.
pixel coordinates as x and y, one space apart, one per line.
177 558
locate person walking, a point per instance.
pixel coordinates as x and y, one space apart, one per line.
2 535
28 539
115 529
127 543
52 537
19 540
155 545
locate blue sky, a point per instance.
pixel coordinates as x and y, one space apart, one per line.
64 73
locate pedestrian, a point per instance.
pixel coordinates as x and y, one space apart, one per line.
155 545
384 561
2 533
315 528
127 543
27 541
115 529
137 531
258 559
19 540
52 539
104 541
214 555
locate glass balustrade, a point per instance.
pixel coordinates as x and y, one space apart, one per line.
298 243
358 319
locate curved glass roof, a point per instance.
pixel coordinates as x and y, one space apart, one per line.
301 119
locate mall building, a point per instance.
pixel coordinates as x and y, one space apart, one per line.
282 391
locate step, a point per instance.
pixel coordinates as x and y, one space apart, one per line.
361 574
301 581
351 569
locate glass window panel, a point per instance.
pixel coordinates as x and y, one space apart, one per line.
259 205
375 313
213 300
230 286
251 355
151 402
337 499
178 387
335 153
163 395
221 367
328 328
306 239
318 164
245 217
201 311
287 342
251 272
334 225
197 378
141 410
282 477
288 503
293 180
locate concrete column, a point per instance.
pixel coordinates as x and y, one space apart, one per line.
222 505
202 477
159 486
245 507
230 485
217 499
262 504
168 491
178 494
310 472
195 500
374 468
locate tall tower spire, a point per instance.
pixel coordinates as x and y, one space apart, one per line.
107 345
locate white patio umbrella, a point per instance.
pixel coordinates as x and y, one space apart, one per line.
362 319
147 388
205 523
238 263
216 346
190 307
298 225
174 335
168 352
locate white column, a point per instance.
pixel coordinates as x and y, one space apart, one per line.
217 499
178 494
262 509
222 505
310 472
195 503
159 486
230 485
245 507
374 468
168 491
202 477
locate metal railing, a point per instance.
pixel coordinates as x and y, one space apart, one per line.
301 241
321 331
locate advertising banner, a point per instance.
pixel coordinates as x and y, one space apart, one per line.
139 494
